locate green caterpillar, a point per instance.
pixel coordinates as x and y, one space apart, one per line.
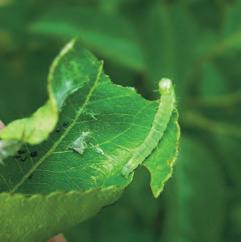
159 125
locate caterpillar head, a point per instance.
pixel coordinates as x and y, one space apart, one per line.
165 85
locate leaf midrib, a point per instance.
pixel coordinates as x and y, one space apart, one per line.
56 144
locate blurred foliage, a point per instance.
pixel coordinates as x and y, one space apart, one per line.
197 43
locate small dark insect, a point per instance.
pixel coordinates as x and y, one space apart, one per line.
65 124
30 177
23 159
21 152
33 154
57 130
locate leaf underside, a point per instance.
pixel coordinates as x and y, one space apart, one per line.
78 170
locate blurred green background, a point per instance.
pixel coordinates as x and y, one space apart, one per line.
197 43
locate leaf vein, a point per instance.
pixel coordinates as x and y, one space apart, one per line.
55 145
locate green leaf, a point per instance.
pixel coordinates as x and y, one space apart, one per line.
39 217
35 129
227 148
212 83
203 12
228 39
119 223
160 163
160 123
102 130
109 35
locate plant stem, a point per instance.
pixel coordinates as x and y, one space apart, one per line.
225 100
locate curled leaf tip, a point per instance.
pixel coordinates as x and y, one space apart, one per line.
68 47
